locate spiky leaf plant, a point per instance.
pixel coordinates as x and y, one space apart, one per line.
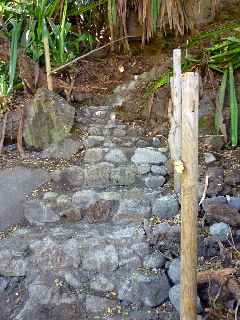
223 57
234 107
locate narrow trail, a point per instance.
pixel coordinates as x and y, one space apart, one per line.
104 242
89 252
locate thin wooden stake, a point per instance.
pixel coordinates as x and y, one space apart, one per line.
47 57
20 134
189 196
176 116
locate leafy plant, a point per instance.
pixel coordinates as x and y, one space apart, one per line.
36 15
4 89
4 80
163 81
13 54
8 71
223 56
220 101
59 42
212 34
64 42
77 8
86 39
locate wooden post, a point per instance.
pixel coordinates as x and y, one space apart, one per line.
176 116
189 195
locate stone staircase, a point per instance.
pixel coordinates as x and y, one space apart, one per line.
90 249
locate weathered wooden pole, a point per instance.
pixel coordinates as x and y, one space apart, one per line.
176 116
189 195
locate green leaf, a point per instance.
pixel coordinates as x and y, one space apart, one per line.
13 50
218 47
3 85
155 13
211 34
163 81
215 67
226 53
77 10
192 59
233 107
62 37
221 98
112 12
51 8
233 39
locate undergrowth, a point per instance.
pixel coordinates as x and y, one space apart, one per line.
221 57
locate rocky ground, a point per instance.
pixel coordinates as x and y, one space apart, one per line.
91 226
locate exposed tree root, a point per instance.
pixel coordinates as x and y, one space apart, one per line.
3 132
220 276
224 278
20 134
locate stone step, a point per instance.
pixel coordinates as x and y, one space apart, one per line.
110 141
91 206
106 175
128 148
88 252
80 264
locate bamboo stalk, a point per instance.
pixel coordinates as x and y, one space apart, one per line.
189 196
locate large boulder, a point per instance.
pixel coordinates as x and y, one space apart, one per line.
49 119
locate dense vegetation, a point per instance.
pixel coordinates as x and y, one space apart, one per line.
221 56
56 31
73 27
